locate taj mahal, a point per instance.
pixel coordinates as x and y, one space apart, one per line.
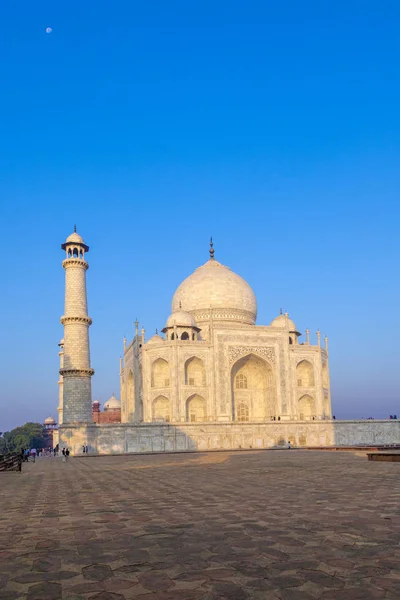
214 380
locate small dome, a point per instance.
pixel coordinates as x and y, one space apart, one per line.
156 339
111 403
96 403
181 319
49 421
283 322
74 238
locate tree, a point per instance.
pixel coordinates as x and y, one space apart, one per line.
30 435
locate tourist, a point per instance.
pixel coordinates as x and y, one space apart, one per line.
288 445
84 449
63 455
27 455
66 454
33 454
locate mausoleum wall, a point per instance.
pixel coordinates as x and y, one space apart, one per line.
153 437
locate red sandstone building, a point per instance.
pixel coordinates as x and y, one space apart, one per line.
111 412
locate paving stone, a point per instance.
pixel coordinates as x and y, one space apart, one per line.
354 593
49 564
45 591
293 594
98 572
257 525
154 581
107 596
38 576
223 589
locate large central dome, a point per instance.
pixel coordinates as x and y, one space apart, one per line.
214 291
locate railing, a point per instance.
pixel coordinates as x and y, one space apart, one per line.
10 462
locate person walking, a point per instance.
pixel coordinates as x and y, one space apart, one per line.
84 449
66 454
63 455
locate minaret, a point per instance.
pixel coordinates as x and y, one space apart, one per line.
60 384
76 371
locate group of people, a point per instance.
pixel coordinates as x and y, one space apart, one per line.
28 452
32 453
65 454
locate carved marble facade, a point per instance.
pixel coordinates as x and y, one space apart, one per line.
214 364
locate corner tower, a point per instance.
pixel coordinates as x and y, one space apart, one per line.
76 371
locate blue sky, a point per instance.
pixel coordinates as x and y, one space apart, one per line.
152 125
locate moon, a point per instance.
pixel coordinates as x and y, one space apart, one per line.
48 30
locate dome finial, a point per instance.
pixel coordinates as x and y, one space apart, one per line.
211 248
280 311
74 228
180 304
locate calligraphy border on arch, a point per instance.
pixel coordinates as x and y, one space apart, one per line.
266 352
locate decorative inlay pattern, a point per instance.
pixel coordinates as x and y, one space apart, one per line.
224 314
265 351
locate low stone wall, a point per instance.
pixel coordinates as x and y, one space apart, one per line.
150 437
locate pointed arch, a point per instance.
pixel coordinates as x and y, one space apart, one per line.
195 409
160 373
305 374
185 335
195 373
253 389
325 378
327 408
306 407
161 409
129 391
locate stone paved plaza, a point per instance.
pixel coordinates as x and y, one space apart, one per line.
287 525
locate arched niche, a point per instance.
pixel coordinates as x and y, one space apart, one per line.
253 389
195 373
306 407
325 378
305 374
129 390
327 408
161 409
160 373
195 409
